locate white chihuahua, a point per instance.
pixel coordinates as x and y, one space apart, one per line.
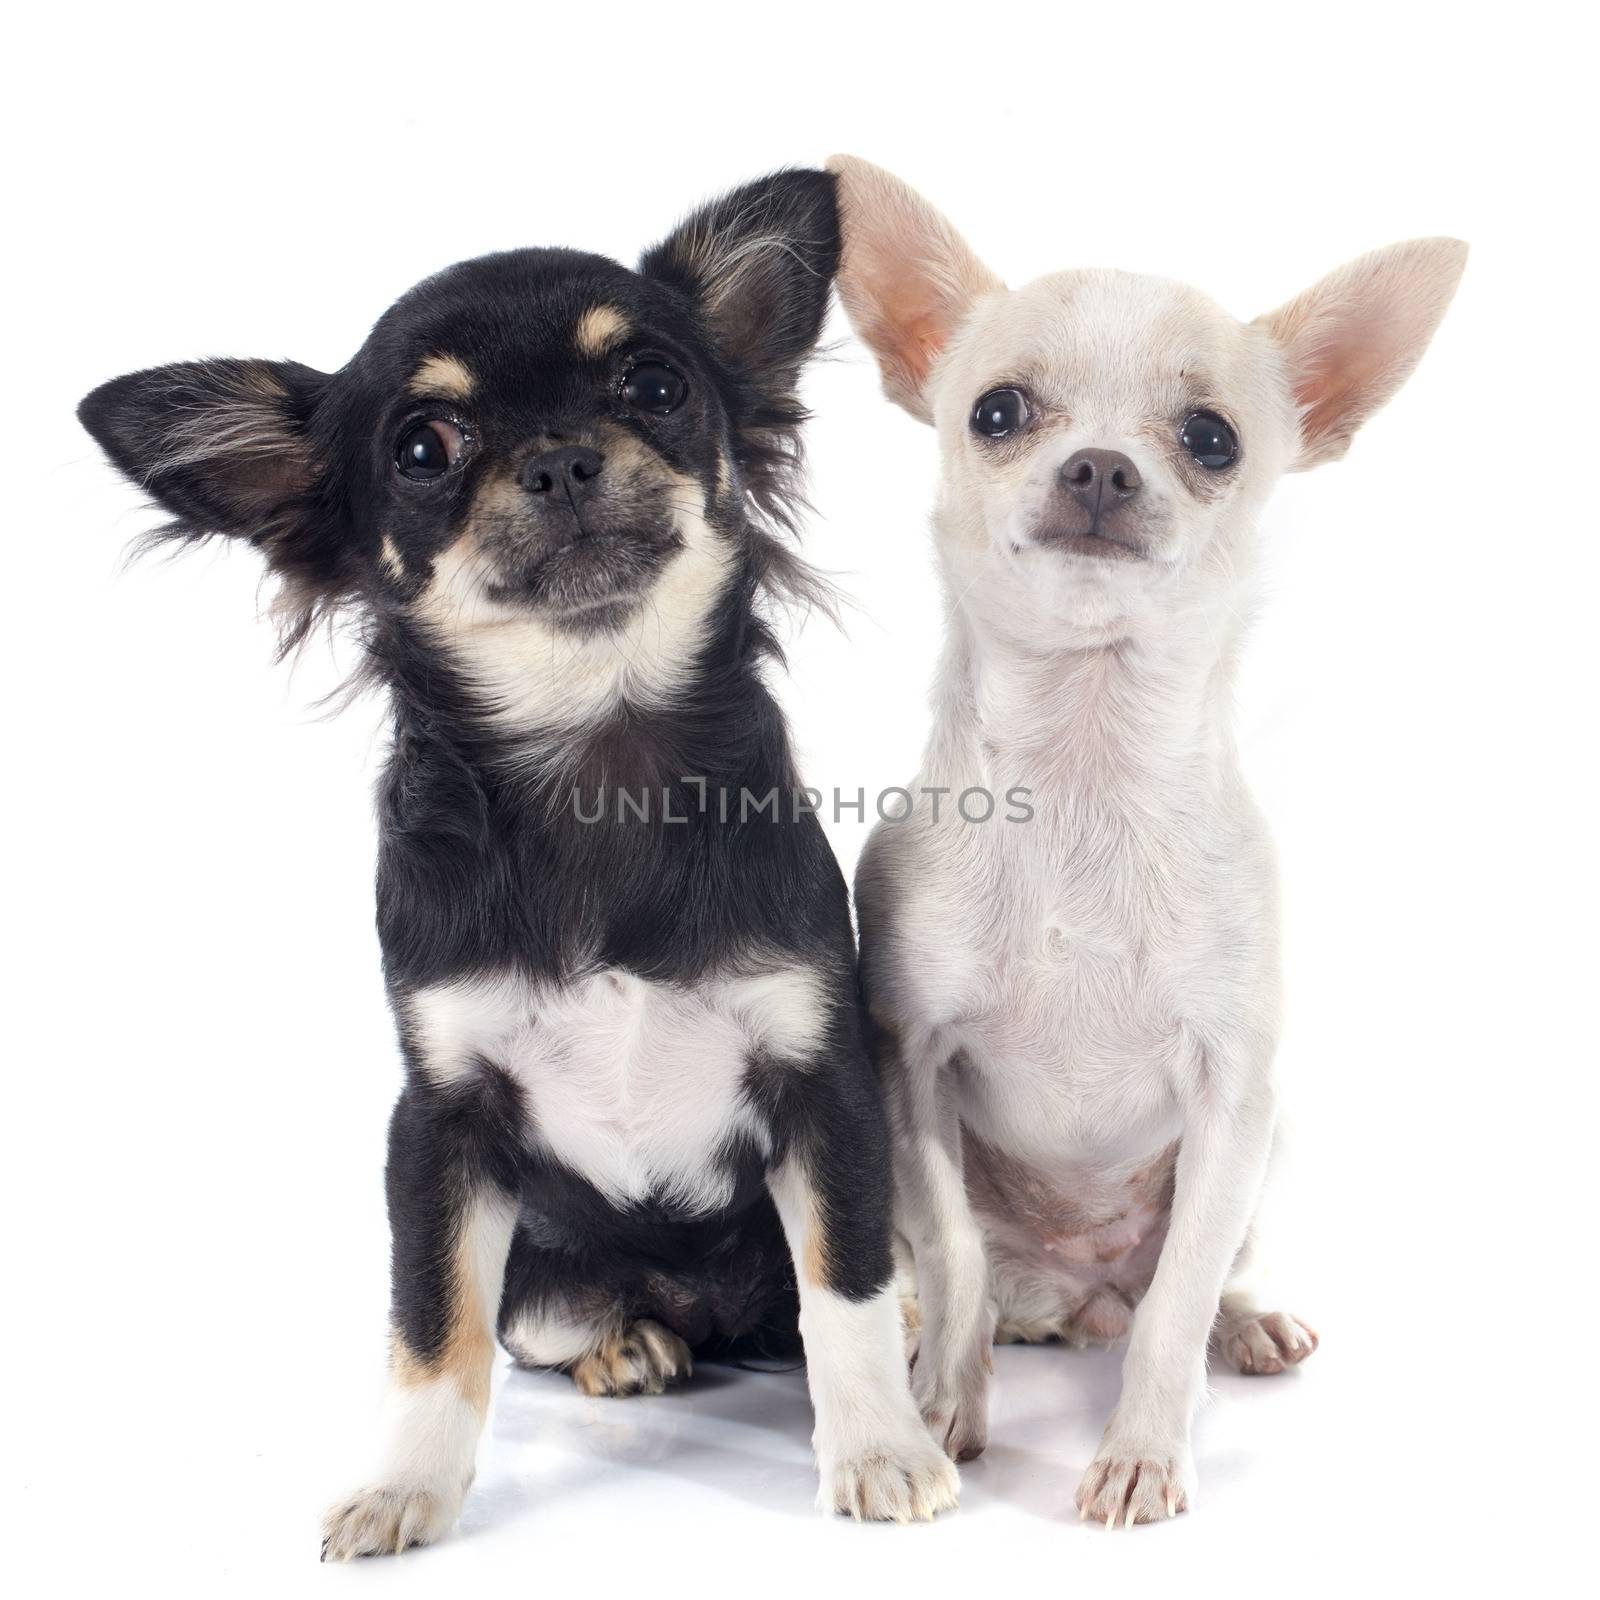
1076 1014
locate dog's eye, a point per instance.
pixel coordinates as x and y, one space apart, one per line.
1209 440
652 386
1000 412
428 450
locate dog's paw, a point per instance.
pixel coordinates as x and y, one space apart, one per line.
1133 1485
910 1481
386 1518
643 1359
1036 1332
960 1426
1263 1345
956 1413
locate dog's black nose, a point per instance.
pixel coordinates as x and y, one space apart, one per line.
1100 479
570 470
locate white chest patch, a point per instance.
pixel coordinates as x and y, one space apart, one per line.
636 1086
1074 972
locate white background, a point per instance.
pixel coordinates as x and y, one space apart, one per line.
198 1063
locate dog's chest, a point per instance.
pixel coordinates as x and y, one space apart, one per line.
1087 964
1071 1041
636 1086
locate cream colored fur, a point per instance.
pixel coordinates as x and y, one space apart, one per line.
1066 1000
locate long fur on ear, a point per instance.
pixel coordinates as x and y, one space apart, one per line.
759 263
906 277
1353 338
226 448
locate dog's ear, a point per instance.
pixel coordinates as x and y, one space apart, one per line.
223 445
1355 337
906 277
227 447
759 263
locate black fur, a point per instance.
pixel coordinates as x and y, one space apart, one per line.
482 865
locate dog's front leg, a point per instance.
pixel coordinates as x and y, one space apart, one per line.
1144 1468
954 1354
876 1459
452 1229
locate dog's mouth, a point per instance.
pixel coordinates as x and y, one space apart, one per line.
592 579
1096 543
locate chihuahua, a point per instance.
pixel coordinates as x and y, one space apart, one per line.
639 1118
1076 1016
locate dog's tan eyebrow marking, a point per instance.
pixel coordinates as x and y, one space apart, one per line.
598 329
442 375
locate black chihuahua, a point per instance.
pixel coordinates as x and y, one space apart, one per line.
639 1120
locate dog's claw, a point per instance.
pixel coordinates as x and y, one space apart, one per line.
389 1518
910 1480
1131 1489
1268 1343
